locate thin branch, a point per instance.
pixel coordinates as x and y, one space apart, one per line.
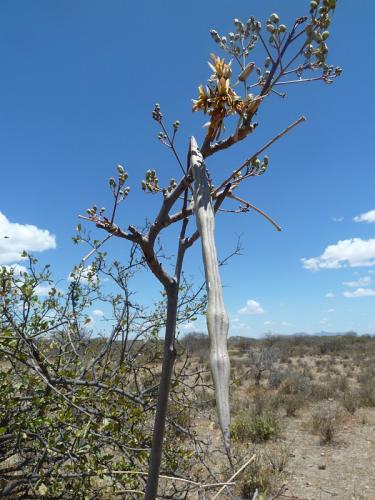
171 142
302 80
235 475
253 207
95 249
260 151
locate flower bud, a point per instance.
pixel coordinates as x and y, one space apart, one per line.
274 18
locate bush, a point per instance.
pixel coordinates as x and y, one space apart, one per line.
276 378
326 420
293 403
257 478
322 391
367 393
256 428
278 456
350 402
296 383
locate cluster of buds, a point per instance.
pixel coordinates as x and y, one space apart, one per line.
162 137
118 191
275 28
92 212
122 175
330 73
151 182
317 31
242 40
257 167
326 6
156 113
171 187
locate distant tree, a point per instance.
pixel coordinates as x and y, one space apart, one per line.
262 359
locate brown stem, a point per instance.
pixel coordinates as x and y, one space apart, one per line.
161 410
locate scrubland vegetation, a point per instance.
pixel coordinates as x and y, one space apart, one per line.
315 396
77 411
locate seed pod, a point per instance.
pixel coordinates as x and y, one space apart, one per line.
217 317
246 72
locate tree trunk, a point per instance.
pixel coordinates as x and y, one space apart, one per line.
161 410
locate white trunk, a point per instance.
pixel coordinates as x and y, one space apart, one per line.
217 317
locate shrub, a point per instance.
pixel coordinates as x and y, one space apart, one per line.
326 420
255 428
367 393
341 382
350 401
257 478
293 403
276 378
278 456
322 391
296 383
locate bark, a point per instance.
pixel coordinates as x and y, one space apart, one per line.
161 410
217 317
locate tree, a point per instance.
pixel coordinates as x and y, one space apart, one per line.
290 56
66 385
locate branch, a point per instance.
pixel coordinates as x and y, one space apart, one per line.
239 135
250 205
252 158
235 475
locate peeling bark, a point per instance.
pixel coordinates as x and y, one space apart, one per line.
217 317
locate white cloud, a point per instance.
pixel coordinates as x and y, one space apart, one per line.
366 217
331 310
329 295
98 312
16 238
365 281
43 290
353 253
337 219
286 323
360 292
268 323
187 327
252 307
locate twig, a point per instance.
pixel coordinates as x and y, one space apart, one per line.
173 478
260 151
250 205
96 248
235 475
301 80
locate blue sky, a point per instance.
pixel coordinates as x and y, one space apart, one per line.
79 81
